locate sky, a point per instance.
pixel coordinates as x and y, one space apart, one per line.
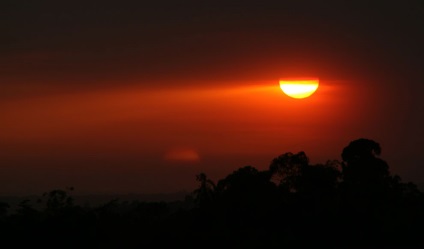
140 96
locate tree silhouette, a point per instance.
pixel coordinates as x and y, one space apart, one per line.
58 200
245 179
205 193
361 166
319 178
355 203
293 173
287 168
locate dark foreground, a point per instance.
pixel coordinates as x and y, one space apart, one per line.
355 203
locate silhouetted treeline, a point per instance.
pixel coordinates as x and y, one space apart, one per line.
355 203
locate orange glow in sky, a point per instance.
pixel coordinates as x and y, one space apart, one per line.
300 88
139 133
139 98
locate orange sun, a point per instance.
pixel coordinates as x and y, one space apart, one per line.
299 88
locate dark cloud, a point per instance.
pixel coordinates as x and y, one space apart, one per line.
155 39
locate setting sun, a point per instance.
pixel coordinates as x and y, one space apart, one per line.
299 88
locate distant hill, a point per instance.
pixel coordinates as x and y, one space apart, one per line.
94 200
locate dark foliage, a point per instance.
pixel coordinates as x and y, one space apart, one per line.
355 203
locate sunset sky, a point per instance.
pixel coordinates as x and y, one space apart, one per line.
140 96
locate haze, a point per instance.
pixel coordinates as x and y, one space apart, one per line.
142 96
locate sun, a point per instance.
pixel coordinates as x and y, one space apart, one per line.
299 88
